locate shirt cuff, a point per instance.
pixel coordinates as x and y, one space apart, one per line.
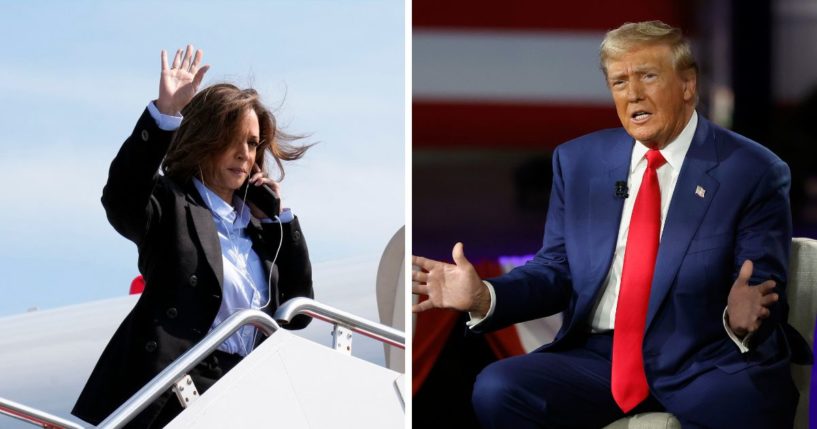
286 216
743 345
475 319
164 122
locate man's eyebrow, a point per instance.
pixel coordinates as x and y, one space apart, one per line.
645 68
616 76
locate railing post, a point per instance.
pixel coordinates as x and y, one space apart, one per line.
342 339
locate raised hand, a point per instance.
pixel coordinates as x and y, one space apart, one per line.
749 305
180 81
454 286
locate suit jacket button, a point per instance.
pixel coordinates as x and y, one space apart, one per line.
296 235
150 346
172 313
193 281
145 135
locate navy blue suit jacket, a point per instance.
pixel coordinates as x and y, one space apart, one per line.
744 214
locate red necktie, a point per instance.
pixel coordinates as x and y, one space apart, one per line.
629 383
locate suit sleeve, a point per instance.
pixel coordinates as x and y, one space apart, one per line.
541 287
764 230
294 267
128 195
764 237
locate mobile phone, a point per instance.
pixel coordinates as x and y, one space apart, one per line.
264 198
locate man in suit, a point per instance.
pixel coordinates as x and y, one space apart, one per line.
666 248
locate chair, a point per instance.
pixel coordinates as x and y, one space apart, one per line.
802 296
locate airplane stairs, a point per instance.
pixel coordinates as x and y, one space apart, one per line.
288 381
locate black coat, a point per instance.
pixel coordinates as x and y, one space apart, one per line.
180 259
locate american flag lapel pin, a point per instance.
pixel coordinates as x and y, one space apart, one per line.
699 191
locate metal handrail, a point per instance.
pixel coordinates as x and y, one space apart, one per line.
34 416
295 306
181 366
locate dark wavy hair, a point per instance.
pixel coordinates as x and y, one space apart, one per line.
210 125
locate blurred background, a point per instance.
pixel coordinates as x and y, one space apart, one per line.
497 86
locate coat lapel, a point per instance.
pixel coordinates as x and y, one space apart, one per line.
254 229
685 214
605 214
205 231
255 232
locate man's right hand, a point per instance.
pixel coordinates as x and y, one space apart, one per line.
180 82
454 286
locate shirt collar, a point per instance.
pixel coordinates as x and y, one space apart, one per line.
221 209
675 151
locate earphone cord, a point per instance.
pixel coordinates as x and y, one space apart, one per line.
277 251
275 258
269 278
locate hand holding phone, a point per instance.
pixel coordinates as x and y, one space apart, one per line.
263 197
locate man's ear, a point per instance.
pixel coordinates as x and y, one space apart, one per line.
689 84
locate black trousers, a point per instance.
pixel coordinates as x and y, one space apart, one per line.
164 409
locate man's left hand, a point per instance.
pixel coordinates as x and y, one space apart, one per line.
748 304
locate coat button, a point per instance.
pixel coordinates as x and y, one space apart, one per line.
145 135
193 281
150 346
172 313
296 235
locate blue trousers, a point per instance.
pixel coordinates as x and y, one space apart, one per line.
564 389
571 389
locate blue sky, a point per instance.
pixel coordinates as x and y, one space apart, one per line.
75 76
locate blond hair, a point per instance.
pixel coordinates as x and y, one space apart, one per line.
633 34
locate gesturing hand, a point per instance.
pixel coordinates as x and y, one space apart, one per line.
455 286
180 82
748 305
